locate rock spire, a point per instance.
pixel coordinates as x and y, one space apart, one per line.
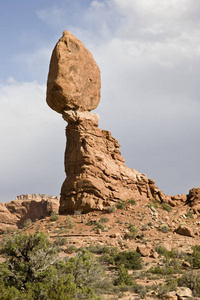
97 176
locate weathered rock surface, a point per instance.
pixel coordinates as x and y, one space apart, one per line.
143 250
7 219
193 200
97 175
74 80
185 230
16 212
183 293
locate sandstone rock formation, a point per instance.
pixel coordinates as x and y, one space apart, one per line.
74 78
97 176
96 172
7 219
33 206
193 200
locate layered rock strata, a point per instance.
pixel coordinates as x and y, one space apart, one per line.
97 175
32 206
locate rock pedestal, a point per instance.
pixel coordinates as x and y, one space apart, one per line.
97 176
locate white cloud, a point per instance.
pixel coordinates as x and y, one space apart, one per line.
52 16
29 141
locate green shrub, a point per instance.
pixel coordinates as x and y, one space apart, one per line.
164 228
132 201
130 259
54 216
191 280
32 270
69 222
111 208
155 203
121 205
163 271
124 278
132 228
103 220
71 249
129 236
166 206
195 257
91 222
189 214
132 232
26 258
140 290
27 223
60 241
164 252
98 249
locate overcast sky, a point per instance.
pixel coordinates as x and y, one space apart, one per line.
149 55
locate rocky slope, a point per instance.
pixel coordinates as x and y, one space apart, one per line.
142 225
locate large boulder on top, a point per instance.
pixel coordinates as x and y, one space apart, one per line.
74 81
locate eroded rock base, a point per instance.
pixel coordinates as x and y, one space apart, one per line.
97 176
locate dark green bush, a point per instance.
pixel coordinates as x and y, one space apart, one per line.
195 257
103 220
124 278
164 228
130 259
121 204
69 222
54 216
191 280
32 270
163 271
166 206
132 201
166 253
111 208
98 249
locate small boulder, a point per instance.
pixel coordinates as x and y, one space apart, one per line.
143 250
183 293
114 235
170 296
184 230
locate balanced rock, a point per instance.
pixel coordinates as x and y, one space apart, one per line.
74 81
97 176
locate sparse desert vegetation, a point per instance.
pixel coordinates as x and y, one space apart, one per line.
131 252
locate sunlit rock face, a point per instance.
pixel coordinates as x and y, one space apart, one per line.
74 81
97 176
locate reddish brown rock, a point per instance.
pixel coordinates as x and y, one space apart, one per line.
97 175
16 212
193 200
184 230
7 219
74 81
143 250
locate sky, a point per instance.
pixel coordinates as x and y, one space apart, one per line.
149 55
